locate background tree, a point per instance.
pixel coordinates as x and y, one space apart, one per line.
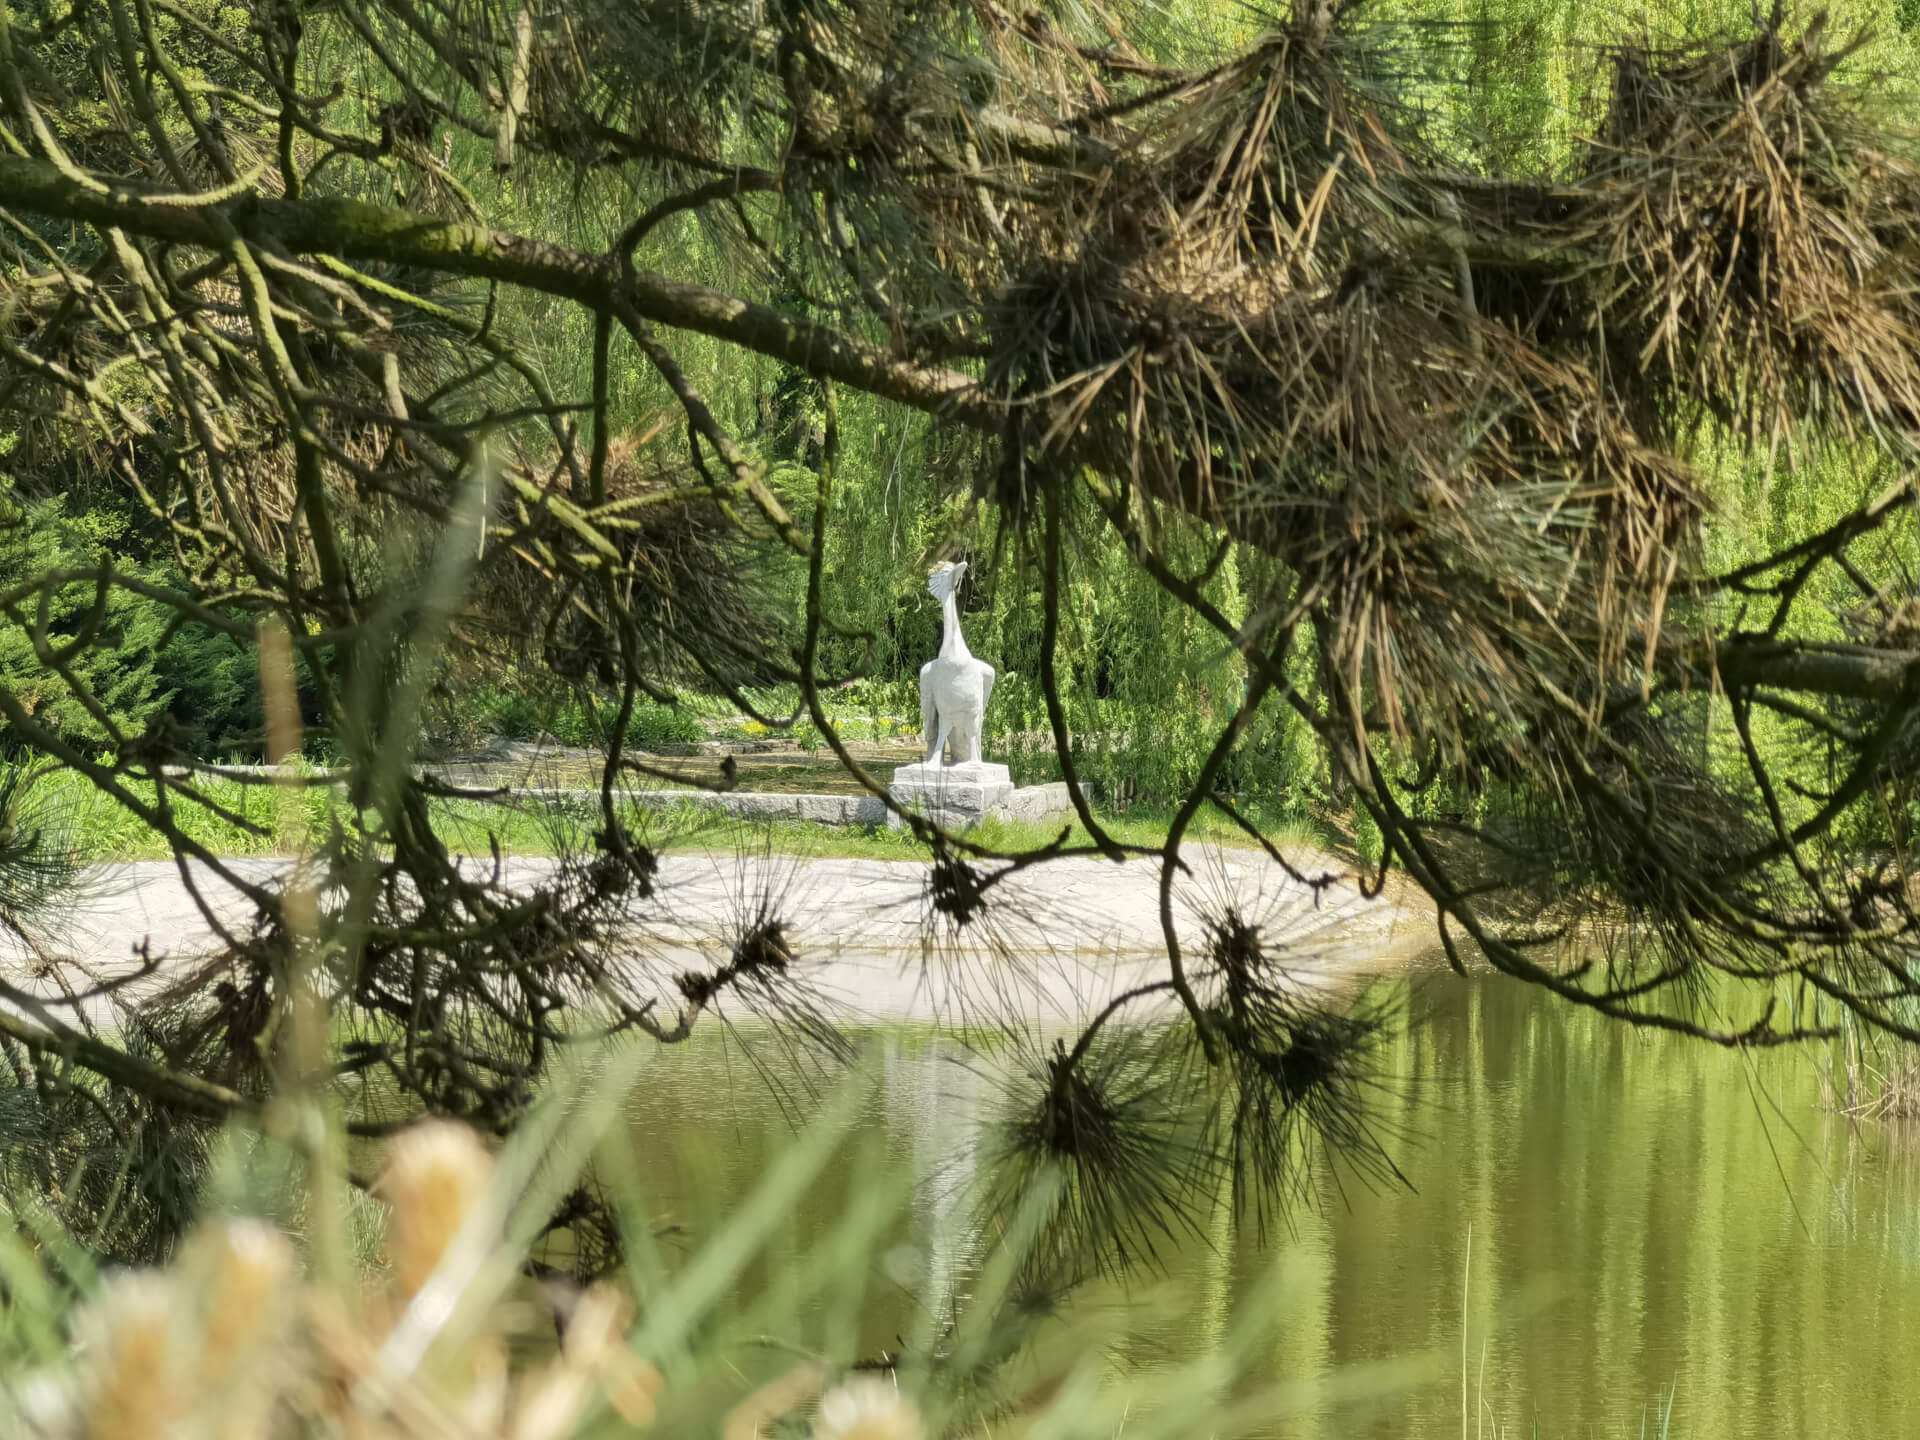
1419 425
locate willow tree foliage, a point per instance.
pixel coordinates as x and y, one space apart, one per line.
414 329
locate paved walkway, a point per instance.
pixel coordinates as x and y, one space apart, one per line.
1062 938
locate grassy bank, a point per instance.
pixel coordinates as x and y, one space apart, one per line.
262 819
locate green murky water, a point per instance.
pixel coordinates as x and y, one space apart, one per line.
1651 1220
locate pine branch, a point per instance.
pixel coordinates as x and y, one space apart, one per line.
353 230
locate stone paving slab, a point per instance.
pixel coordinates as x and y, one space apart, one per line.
1061 939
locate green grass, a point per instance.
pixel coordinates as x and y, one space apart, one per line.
690 829
270 821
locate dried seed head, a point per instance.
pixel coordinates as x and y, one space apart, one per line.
47 1403
242 1271
479 1385
550 1403
593 1343
866 1408
593 1332
436 1174
137 1358
633 1385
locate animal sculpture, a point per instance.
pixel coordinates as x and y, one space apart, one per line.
954 687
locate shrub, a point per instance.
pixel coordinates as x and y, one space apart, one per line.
586 722
215 687
117 664
659 724
513 716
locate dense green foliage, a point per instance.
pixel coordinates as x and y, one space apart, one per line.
108 637
1510 83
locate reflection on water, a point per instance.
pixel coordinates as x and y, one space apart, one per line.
1648 1216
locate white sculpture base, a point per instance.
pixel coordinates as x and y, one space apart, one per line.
955 796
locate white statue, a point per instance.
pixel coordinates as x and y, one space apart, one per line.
954 687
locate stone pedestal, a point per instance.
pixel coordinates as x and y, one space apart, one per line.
955 796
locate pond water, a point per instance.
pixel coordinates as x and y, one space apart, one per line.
1652 1223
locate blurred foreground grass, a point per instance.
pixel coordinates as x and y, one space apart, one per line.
310 1302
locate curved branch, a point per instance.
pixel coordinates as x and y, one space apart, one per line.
354 230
